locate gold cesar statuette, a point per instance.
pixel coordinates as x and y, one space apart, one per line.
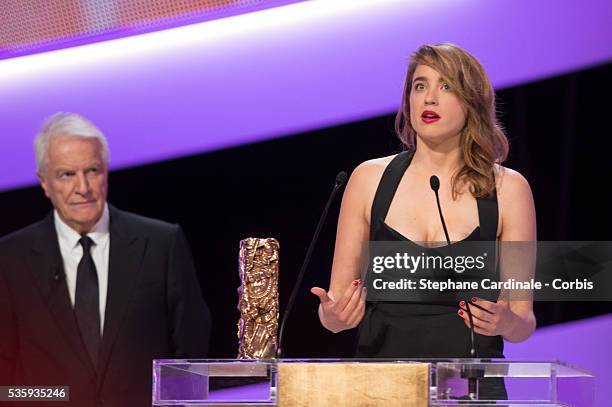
258 298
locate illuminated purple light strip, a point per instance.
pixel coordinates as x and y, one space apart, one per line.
278 71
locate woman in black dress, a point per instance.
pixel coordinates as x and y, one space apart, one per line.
448 125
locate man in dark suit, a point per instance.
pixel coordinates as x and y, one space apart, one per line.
91 294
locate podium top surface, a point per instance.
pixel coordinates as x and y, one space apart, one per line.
491 367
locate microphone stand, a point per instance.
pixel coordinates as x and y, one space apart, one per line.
340 180
472 374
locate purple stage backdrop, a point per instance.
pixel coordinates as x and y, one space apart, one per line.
584 344
279 71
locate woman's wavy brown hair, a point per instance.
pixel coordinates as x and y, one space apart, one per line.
483 141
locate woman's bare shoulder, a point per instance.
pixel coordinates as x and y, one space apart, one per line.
509 181
516 206
364 181
368 174
374 167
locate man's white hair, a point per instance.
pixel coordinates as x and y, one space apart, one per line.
65 125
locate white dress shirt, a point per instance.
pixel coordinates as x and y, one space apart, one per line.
72 252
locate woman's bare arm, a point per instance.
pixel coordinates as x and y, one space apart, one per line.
343 306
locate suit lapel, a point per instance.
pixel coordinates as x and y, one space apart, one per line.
126 252
47 267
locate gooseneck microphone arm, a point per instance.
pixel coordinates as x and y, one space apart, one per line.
340 180
434 183
472 347
472 374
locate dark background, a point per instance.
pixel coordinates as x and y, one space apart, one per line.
560 141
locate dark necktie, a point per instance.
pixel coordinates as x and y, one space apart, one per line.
87 302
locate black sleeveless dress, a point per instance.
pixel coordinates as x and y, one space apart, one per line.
420 330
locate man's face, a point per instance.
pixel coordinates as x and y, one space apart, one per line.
75 180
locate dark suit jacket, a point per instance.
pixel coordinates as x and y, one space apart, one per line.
154 309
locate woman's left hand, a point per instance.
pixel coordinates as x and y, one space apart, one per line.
490 318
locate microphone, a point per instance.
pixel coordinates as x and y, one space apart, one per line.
340 181
472 374
341 178
434 183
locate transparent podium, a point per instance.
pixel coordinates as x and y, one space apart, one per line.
371 382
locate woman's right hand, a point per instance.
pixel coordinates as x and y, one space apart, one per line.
344 313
